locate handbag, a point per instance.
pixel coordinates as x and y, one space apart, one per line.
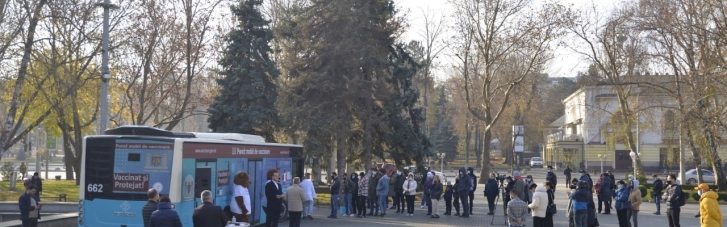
552 209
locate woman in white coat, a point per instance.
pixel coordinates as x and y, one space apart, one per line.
539 206
410 191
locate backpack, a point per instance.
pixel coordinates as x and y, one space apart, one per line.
682 197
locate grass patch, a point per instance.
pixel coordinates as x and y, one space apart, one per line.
50 188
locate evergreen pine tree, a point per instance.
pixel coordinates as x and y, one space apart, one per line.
444 138
248 92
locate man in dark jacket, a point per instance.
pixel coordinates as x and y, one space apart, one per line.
150 205
455 197
354 193
657 188
473 179
373 199
274 198
491 192
165 216
207 214
671 197
38 185
465 183
581 198
448 199
567 173
587 178
335 191
550 177
400 201
605 192
29 207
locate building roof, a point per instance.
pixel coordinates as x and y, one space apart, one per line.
558 122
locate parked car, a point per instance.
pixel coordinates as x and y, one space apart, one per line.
536 162
691 176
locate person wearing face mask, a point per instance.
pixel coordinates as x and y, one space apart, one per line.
605 191
410 191
426 196
510 184
528 195
491 191
585 177
363 193
473 179
372 198
622 203
657 187
551 177
635 199
580 200
400 201
672 197
709 212
464 190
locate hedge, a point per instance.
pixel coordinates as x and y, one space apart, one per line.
687 189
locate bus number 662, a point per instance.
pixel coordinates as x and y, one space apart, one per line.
95 188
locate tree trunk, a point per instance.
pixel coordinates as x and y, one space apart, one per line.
716 162
485 171
479 144
20 80
697 159
341 156
316 171
68 154
368 146
467 142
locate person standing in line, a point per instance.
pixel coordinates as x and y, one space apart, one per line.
400 201
295 195
551 203
552 178
207 214
29 207
151 205
274 197
464 190
382 190
516 209
672 196
38 185
448 199
240 204
363 193
597 187
567 172
473 179
424 181
622 204
709 212
436 194
510 185
335 195
310 192
455 197
491 192
373 199
392 190
539 206
354 194
426 196
520 185
528 195
581 198
657 187
165 215
410 191
613 188
348 189
605 192
635 199
585 177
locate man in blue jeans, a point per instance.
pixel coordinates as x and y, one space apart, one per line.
335 187
657 190
382 191
582 198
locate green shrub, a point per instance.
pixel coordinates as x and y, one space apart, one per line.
644 191
7 170
695 196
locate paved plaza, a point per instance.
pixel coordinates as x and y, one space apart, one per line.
646 218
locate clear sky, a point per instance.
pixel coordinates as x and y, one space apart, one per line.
565 64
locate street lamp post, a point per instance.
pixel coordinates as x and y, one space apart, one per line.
600 156
105 74
441 161
633 161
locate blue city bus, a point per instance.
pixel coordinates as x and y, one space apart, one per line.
119 167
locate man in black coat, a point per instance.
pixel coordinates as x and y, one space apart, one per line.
150 206
207 214
274 196
656 194
463 188
473 179
552 178
567 173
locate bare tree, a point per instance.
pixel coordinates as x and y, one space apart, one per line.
504 42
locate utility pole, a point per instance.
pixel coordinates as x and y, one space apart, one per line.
681 155
106 75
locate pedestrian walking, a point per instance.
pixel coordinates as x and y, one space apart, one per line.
23 169
657 187
605 193
29 207
151 205
165 215
295 195
623 205
464 188
635 199
516 209
410 191
673 197
709 213
310 193
240 205
335 195
567 172
207 214
436 194
473 179
363 193
382 190
539 206
491 192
